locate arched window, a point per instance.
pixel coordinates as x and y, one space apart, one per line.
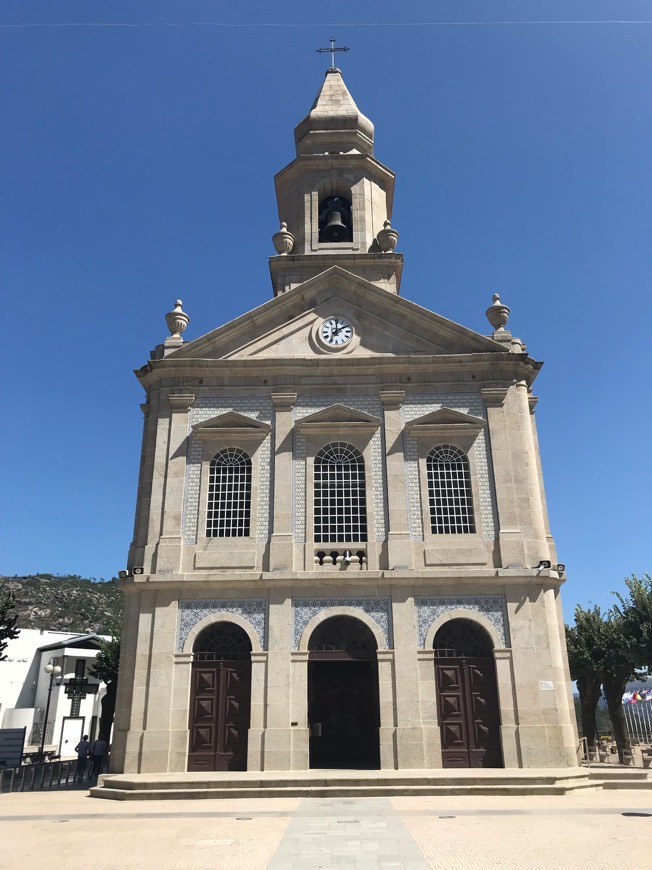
335 223
340 497
449 491
462 638
222 641
229 495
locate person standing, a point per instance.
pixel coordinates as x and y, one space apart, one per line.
82 749
98 753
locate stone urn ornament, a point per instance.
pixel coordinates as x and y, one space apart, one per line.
177 320
387 238
497 313
283 240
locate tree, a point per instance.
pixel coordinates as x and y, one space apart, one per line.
621 663
636 611
106 668
8 619
586 652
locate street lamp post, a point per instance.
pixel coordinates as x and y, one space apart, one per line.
53 671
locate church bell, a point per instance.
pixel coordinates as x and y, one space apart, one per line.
335 230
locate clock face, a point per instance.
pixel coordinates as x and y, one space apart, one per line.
336 331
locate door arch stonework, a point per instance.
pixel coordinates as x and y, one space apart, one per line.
343 695
220 698
468 705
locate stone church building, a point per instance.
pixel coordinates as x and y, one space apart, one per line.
342 556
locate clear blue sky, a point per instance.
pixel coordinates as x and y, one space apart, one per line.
137 165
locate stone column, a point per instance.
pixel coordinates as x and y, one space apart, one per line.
132 692
562 745
168 557
399 546
386 698
508 710
125 719
299 710
510 535
258 711
159 742
409 733
532 492
282 541
277 739
136 548
428 708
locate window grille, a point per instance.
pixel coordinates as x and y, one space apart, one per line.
222 641
449 492
340 496
229 495
462 638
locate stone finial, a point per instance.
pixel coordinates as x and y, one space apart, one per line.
497 314
283 240
177 320
387 238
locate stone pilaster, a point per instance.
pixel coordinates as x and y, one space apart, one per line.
281 549
399 548
277 739
530 497
510 536
168 557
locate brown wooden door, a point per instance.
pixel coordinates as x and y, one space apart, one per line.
469 715
220 706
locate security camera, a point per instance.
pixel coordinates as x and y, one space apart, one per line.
123 574
347 557
138 570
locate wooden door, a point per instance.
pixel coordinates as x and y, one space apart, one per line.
220 706
469 715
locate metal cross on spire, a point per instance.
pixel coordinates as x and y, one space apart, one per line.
332 50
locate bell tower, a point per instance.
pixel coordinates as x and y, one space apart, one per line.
335 199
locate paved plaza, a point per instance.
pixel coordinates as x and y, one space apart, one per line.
588 830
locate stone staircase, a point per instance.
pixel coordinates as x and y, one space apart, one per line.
342 783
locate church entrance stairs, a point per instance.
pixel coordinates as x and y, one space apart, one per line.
341 783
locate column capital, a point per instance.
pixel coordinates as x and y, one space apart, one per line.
392 399
180 401
284 400
494 397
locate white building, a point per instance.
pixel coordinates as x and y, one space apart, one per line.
24 686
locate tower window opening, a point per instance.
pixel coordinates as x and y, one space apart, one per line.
335 222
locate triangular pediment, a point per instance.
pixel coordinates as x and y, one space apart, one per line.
384 324
340 415
231 422
445 421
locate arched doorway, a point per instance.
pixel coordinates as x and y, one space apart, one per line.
343 705
467 696
220 699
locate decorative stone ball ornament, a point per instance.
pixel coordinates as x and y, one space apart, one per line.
497 314
283 240
177 320
387 238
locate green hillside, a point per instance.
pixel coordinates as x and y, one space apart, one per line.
66 602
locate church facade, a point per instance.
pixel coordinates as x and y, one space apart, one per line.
342 556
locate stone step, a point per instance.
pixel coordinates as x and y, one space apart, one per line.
335 792
177 787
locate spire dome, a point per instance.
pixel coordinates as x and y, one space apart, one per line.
334 124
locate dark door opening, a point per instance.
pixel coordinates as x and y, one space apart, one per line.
343 701
343 714
220 699
467 697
